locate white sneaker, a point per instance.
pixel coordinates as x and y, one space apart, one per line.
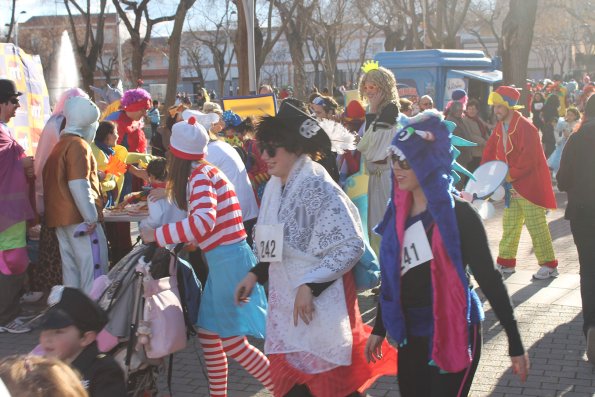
591 345
15 327
31 297
546 272
505 269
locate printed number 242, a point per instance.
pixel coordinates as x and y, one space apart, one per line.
268 248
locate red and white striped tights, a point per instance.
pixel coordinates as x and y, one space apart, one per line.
217 349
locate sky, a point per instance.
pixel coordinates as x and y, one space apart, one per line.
56 7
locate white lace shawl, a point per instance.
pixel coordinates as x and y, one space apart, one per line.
322 241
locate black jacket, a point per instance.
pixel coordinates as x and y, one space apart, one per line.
102 376
577 173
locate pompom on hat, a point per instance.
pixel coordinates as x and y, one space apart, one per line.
189 140
135 100
507 96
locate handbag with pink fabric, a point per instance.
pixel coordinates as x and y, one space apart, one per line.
162 330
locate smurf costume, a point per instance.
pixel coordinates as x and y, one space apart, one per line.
426 142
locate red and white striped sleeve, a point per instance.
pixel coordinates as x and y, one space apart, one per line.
202 208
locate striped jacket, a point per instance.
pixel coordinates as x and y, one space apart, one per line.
214 213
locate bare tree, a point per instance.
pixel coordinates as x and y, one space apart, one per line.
218 41
444 20
174 51
484 19
267 35
333 27
142 22
296 25
107 64
195 58
271 70
388 17
315 54
12 21
584 20
517 38
87 44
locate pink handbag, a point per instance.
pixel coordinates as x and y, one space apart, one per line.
162 330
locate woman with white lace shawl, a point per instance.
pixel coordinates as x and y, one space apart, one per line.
314 329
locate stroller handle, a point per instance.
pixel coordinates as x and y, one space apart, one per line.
150 251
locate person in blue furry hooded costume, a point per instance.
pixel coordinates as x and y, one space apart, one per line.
429 237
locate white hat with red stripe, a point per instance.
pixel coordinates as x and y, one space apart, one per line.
188 140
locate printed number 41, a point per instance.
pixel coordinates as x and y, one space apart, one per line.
268 248
407 257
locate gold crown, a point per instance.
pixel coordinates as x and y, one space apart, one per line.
369 65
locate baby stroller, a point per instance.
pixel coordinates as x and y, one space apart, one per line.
152 299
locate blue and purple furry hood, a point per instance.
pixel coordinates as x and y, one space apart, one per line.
426 142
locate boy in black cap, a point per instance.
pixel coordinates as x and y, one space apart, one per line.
69 332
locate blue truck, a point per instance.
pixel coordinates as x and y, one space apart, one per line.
438 73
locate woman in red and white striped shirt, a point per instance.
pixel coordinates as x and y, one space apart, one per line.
214 223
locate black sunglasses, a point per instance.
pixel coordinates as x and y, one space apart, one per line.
403 164
269 148
14 101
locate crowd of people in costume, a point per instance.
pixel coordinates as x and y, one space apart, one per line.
260 206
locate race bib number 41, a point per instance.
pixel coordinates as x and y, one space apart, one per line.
269 242
416 247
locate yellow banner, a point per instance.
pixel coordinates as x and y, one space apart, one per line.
350 95
258 105
27 73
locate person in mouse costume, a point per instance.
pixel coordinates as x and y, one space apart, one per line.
73 201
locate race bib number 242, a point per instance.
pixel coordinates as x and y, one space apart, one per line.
269 242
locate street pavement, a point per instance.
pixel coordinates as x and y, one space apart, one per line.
548 313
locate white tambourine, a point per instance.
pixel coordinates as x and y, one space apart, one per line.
488 178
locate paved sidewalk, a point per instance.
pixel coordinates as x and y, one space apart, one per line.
548 313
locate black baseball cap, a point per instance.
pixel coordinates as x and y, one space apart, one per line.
70 306
8 89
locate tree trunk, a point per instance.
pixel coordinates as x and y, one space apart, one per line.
136 62
87 75
296 28
517 37
174 52
258 50
296 46
242 51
